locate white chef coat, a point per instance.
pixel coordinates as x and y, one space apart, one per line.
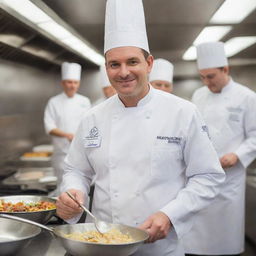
156 156
64 113
231 119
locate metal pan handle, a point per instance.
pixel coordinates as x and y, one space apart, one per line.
7 216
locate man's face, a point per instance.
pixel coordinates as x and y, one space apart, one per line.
70 86
109 91
215 78
162 85
128 71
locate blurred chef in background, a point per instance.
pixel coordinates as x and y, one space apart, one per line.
107 89
161 75
63 114
229 111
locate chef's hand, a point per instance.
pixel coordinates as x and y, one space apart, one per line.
66 207
69 136
228 160
157 226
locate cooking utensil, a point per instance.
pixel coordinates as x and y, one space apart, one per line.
15 235
100 225
39 216
79 248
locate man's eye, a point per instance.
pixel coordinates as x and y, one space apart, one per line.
114 65
133 62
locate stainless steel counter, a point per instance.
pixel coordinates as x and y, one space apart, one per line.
43 245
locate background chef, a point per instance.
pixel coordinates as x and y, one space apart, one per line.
107 89
63 114
161 75
142 145
229 111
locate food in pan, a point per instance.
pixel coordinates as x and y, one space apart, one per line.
113 236
26 207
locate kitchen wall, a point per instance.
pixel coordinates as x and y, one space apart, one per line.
24 92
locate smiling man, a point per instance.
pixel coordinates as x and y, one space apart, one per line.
141 146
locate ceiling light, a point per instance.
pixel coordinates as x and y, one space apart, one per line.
55 29
80 47
212 33
28 10
233 11
237 44
190 54
42 21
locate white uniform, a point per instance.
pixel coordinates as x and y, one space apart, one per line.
64 113
156 156
231 119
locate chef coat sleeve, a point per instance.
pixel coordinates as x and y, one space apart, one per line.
78 172
247 150
204 175
50 117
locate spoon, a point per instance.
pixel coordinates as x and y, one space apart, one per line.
101 226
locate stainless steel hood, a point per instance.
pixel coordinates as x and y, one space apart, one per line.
21 43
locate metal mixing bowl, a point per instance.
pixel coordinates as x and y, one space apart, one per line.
39 216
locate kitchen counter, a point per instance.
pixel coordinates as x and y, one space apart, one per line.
43 245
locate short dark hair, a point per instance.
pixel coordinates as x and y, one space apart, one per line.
145 53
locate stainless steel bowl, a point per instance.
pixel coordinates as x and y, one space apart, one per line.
15 235
79 248
39 216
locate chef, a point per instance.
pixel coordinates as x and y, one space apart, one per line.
63 114
161 75
229 111
143 146
107 89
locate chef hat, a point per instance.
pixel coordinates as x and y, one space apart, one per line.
125 25
104 77
162 70
70 71
211 55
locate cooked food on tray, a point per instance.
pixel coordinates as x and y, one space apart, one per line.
114 236
26 207
37 154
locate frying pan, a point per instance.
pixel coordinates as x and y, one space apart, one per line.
79 248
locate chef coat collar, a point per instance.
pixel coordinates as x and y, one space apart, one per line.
143 101
65 96
228 86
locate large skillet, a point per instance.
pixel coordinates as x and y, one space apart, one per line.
78 248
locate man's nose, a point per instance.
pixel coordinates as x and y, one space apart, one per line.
124 71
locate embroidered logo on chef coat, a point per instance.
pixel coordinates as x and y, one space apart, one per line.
176 140
93 140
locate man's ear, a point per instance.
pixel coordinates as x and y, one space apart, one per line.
150 60
226 70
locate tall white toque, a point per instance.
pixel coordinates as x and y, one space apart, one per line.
125 25
162 70
70 71
211 55
104 77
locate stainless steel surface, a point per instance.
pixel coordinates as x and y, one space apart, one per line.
78 248
40 216
21 178
250 213
100 225
15 235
